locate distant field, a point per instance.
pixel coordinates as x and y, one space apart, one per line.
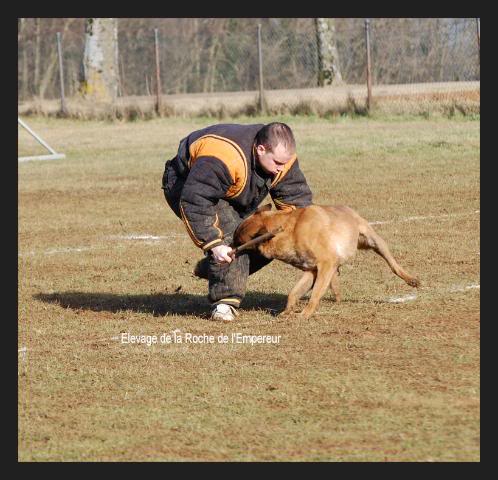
389 374
416 98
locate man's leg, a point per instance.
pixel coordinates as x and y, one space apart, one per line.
227 282
256 263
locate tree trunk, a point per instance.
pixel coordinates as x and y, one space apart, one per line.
25 74
100 61
20 27
196 52
52 62
36 81
47 77
22 92
211 67
329 72
218 33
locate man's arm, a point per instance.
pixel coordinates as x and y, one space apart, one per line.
207 182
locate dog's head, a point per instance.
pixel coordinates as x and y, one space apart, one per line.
252 226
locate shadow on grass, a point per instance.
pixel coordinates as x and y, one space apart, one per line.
158 304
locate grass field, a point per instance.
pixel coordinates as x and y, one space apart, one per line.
389 374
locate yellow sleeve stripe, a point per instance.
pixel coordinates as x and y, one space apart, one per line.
189 228
283 206
284 172
226 151
217 240
216 225
192 235
210 244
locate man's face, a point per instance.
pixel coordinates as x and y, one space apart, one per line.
273 162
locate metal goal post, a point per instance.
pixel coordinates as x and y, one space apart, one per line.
53 154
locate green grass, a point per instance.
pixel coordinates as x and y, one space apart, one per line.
363 380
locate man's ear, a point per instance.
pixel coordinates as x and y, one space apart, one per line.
264 208
260 149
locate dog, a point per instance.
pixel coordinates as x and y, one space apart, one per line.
318 240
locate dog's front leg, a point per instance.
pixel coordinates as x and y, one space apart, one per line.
302 287
325 271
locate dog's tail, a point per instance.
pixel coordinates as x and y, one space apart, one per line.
370 239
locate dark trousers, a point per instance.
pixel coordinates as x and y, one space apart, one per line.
227 282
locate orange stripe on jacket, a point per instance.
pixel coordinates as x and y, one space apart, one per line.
284 171
286 207
226 151
189 228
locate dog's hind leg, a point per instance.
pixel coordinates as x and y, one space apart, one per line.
325 271
334 285
301 288
369 239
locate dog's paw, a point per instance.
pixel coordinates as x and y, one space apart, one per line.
414 282
305 314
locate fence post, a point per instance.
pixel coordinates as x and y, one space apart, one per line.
262 106
478 22
61 74
158 74
369 69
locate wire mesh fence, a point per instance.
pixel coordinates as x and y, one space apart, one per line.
205 55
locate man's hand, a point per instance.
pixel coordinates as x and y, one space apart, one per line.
221 254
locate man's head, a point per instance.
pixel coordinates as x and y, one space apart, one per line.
275 146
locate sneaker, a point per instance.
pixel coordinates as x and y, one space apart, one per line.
223 312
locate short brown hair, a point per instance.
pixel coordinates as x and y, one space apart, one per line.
273 134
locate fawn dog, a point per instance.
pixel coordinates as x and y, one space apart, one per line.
318 240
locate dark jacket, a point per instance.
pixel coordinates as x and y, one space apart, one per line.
218 162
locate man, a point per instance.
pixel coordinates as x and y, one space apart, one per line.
219 177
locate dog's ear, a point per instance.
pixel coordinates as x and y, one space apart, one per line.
264 208
248 229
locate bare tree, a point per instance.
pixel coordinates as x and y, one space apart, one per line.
36 79
50 70
20 27
21 24
328 59
219 30
100 62
218 54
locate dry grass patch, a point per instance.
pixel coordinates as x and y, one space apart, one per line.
422 99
